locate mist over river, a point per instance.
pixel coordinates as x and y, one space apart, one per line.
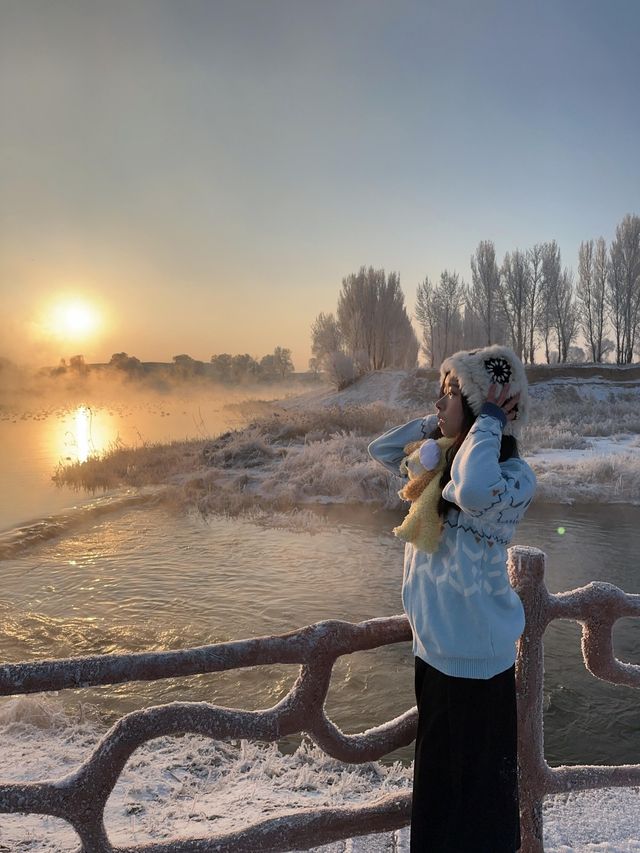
36 438
146 576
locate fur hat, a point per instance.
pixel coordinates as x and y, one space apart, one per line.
477 369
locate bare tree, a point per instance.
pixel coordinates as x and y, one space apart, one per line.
551 272
532 310
340 369
565 315
513 292
484 296
449 298
600 277
438 310
325 336
567 324
624 287
590 294
404 345
373 320
283 362
426 317
473 334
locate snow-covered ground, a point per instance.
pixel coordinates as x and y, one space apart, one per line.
192 787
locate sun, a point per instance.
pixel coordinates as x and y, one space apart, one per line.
74 320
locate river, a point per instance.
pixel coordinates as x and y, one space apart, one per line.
144 576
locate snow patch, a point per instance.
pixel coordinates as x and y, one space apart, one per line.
191 787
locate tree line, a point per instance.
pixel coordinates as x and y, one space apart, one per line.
223 367
529 302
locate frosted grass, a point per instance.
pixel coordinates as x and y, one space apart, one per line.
288 458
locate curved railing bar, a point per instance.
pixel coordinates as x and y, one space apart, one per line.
296 647
585 777
81 796
288 831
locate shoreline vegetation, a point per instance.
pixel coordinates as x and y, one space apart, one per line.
311 449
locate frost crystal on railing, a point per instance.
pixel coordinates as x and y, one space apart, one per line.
596 606
80 797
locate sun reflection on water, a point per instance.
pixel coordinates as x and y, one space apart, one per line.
81 434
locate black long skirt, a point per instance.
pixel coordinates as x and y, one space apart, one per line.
465 784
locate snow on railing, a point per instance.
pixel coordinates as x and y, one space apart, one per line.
81 796
596 607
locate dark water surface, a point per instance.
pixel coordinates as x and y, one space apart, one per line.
150 579
588 720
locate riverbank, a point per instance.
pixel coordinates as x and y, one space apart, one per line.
582 442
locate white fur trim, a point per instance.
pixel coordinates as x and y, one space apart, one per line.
475 371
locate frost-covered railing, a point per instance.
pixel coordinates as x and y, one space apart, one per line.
80 797
596 607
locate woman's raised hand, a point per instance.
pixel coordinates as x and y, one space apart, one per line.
499 396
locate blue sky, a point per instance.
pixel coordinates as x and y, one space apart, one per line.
206 173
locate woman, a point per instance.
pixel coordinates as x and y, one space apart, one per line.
464 615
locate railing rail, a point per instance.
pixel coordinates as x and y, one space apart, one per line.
81 796
597 607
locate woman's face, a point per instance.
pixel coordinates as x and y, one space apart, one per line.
449 407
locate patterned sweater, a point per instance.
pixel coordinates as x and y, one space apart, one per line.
464 614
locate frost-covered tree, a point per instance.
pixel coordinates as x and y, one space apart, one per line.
514 295
325 336
373 320
439 313
623 287
340 369
576 355
552 297
484 297
566 314
449 298
282 362
591 293
473 333
427 319
532 309
558 314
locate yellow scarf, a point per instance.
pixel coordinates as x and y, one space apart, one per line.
422 525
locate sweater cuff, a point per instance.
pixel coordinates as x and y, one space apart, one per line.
494 412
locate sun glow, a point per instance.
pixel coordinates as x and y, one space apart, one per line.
74 320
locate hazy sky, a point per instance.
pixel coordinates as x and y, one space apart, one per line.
205 173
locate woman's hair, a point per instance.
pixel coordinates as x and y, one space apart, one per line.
508 448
